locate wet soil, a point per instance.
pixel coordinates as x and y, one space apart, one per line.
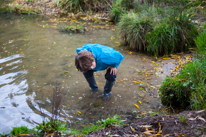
169 126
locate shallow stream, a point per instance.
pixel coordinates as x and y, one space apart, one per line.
36 56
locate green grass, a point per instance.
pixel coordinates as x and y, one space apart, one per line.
174 34
183 119
50 127
74 28
133 28
115 120
187 90
21 130
57 126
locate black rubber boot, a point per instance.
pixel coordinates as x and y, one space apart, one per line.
92 83
107 89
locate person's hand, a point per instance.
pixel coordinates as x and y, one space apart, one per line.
113 70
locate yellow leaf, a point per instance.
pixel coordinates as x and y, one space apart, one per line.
136 106
201 98
144 91
137 81
112 37
153 62
166 135
130 52
172 62
166 58
183 134
140 102
177 135
132 128
100 83
147 101
79 112
117 44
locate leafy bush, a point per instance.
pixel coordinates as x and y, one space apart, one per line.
50 127
133 29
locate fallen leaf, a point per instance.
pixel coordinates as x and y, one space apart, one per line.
166 58
140 102
132 128
137 81
136 106
79 112
130 52
100 83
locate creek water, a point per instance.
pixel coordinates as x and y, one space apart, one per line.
35 57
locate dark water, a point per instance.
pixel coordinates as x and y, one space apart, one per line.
35 56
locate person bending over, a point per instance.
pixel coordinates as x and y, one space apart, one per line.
96 57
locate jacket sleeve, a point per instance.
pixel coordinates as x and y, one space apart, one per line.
112 58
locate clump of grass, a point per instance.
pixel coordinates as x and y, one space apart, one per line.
133 29
188 88
51 127
183 119
74 28
21 130
99 125
111 121
173 34
85 5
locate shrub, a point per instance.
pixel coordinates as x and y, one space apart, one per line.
175 93
133 29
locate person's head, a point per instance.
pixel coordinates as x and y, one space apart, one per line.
85 61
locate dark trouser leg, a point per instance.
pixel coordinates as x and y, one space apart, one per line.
89 75
110 80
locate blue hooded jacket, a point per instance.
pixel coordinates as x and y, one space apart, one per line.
103 55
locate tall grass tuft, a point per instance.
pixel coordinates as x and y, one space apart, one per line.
116 11
173 34
162 40
186 30
133 28
86 5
